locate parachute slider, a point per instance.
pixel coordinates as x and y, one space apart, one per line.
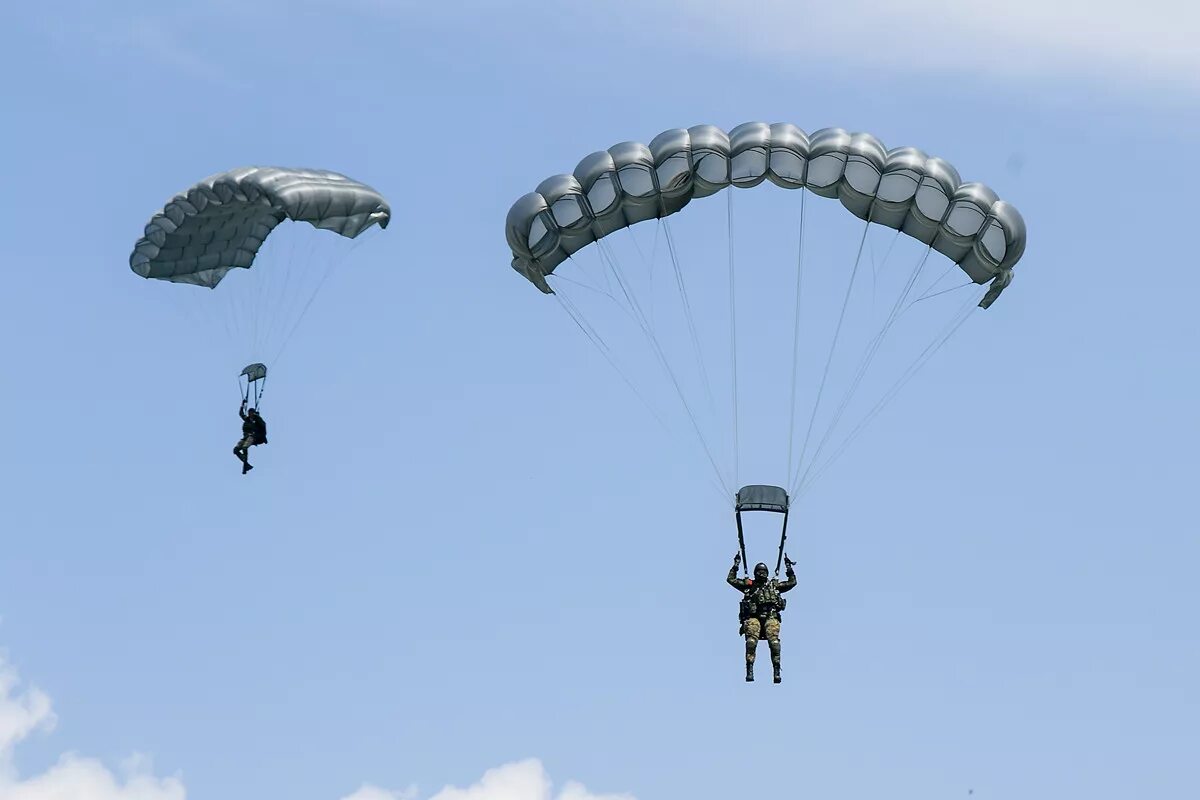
254 372
256 380
761 498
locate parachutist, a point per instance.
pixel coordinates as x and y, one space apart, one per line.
254 431
759 611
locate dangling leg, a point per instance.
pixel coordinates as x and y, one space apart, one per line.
242 451
776 649
753 629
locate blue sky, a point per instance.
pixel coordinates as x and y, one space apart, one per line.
469 557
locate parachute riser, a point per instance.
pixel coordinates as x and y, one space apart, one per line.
742 544
782 542
771 499
253 389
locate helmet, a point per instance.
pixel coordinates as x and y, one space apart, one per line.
761 572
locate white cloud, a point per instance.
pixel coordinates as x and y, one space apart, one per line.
75 778
22 712
368 792
521 780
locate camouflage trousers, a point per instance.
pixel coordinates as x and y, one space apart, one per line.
242 448
754 629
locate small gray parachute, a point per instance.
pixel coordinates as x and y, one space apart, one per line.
222 221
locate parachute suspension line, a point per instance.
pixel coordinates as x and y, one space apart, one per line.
653 261
928 296
649 265
882 264
279 317
640 317
293 307
612 265
586 263
866 360
963 314
833 345
258 278
234 314
608 294
298 269
575 314
267 284
934 285
590 288
733 335
228 318
662 360
589 331
325 273
796 340
687 310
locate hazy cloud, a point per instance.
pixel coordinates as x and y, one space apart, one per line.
1152 42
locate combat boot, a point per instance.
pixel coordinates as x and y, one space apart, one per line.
749 671
776 658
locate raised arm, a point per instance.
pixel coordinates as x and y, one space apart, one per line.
732 579
790 583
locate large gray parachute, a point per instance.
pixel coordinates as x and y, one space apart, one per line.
222 221
904 189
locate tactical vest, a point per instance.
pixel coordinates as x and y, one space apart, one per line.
764 602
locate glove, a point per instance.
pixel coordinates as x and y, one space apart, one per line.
788 562
737 559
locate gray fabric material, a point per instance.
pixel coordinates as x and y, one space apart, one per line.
761 498
222 221
903 188
254 372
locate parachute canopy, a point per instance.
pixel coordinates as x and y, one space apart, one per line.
222 221
904 189
845 316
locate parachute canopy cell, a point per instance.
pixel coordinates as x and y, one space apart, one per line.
902 188
222 221
254 372
761 498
